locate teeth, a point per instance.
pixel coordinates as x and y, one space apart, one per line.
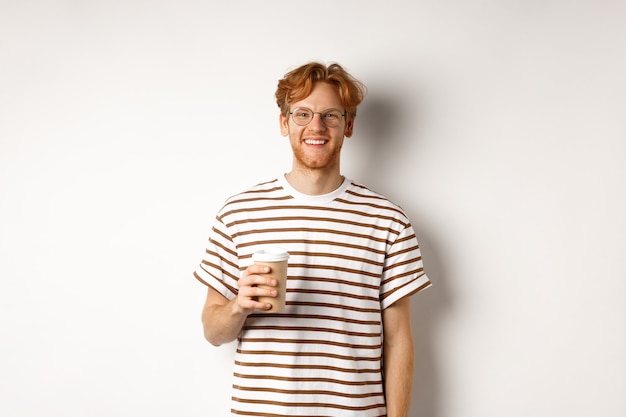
315 142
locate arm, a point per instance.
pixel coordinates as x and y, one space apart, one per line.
222 319
398 357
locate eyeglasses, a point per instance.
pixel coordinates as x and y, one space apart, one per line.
303 116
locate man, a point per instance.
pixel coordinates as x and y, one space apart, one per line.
343 344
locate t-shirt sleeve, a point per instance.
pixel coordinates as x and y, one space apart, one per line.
219 266
403 273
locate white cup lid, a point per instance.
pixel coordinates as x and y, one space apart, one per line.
271 255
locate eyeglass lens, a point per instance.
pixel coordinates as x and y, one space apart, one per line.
303 116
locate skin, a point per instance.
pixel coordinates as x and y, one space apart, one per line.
398 359
315 171
315 167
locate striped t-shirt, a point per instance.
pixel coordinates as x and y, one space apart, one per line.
353 253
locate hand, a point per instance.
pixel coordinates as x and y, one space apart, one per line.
253 285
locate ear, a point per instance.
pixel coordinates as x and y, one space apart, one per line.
284 125
347 132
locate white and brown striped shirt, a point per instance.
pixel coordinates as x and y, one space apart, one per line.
353 253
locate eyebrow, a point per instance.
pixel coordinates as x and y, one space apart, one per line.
323 111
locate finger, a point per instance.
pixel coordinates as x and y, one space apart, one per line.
252 304
260 306
256 269
253 292
256 280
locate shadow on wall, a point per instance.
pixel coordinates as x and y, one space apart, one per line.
380 127
425 309
384 132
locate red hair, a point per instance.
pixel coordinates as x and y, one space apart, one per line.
298 84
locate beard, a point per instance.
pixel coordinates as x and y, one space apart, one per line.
316 160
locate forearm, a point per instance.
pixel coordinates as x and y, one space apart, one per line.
398 371
222 323
398 358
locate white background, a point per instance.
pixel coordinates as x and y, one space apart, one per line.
499 126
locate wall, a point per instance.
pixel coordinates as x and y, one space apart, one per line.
497 125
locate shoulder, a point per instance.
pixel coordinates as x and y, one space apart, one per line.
263 188
363 195
256 195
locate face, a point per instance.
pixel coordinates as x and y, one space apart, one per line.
316 146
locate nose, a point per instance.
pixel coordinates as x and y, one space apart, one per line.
317 123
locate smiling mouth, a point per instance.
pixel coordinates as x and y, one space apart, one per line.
315 141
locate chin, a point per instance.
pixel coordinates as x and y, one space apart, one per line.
323 163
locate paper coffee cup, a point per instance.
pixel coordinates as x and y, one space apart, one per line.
276 259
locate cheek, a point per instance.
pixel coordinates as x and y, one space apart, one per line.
293 132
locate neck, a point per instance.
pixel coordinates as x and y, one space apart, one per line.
313 182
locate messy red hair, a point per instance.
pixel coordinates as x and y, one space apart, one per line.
298 84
